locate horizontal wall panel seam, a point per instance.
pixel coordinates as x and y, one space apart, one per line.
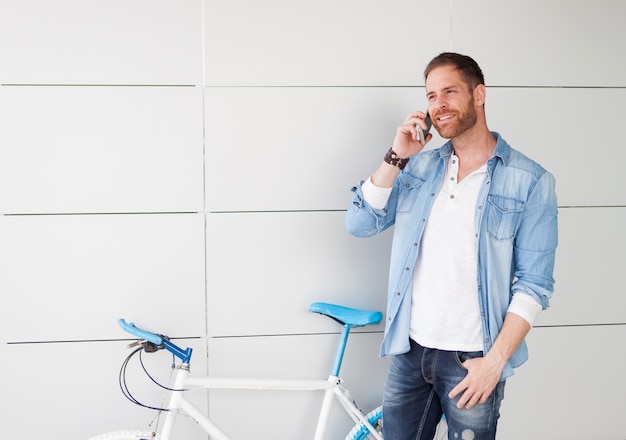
312 86
99 85
53 214
402 86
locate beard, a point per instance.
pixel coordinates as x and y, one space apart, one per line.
464 119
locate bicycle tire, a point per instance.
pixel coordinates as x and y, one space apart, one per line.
360 431
134 434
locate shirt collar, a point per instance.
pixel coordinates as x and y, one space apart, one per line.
502 150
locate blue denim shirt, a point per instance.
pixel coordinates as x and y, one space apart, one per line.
516 230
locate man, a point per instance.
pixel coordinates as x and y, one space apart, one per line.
471 263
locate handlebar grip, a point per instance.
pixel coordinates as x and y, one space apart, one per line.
143 334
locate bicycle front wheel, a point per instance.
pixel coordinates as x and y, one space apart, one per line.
127 435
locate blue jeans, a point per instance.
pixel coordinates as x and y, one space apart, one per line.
416 396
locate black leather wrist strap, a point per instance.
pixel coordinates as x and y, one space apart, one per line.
392 159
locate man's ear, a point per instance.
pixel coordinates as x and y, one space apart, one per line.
480 93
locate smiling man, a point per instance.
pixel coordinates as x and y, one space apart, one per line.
475 235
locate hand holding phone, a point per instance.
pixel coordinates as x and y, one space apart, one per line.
423 133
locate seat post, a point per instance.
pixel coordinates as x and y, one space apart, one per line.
341 348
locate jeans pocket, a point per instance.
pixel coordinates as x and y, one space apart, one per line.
462 356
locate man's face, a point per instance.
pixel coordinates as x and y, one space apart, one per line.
451 104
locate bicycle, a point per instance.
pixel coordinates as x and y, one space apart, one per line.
367 426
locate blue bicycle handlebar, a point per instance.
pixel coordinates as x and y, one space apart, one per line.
143 334
183 354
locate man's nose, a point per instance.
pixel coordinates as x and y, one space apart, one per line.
437 104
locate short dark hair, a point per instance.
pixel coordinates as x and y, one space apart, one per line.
468 68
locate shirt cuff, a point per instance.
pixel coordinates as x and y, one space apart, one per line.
525 306
375 196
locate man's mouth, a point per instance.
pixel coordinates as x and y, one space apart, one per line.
445 118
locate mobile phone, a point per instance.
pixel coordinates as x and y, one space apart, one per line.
423 133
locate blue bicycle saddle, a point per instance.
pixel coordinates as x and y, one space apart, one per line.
346 315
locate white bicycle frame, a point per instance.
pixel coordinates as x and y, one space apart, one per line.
332 389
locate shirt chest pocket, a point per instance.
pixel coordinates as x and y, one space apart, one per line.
409 187
503 216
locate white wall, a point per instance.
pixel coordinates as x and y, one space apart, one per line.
186 164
